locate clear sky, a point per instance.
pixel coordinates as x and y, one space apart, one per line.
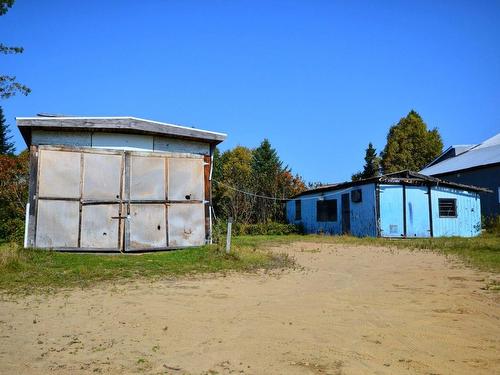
320 79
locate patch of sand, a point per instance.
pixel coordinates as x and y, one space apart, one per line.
349 310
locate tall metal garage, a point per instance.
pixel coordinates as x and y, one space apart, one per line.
117 184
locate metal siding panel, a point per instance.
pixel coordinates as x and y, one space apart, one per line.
147 178
180 145
147 226
49 137
468 220
417 212
391 211
186 224
185 178
101 176
57 224
59 174
122 141
98 229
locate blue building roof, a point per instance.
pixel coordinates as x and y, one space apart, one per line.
485 153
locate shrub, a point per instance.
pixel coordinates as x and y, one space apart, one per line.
14 177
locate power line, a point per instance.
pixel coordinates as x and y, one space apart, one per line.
274 198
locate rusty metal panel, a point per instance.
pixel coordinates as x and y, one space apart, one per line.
101 176
147 226
99 228
186 224
185 179
57 223
147 178
59 174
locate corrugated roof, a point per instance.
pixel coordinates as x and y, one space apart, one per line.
485 153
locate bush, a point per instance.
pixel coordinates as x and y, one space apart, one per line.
492 224
14 177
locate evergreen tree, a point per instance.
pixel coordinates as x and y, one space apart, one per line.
372 165
6 146
266 169
410 145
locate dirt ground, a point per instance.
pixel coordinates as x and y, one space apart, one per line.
348 310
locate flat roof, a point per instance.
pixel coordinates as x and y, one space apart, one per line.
122 124
403 177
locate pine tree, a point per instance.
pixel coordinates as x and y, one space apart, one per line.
410 145
372 164
266 169
6 146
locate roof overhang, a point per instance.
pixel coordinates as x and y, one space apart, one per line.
116 124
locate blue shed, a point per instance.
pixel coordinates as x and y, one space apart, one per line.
402 204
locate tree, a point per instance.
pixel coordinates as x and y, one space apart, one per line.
266 168
372 165
14 177
410 145
6 146
8 84
233 176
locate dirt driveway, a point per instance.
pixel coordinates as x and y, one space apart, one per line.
350 310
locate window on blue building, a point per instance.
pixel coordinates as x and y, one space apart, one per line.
447 207
326 210
298 209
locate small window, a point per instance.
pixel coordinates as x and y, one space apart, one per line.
326 210
298 209
356 196
447 207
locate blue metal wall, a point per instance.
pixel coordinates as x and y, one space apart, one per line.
417 211
362 214
468 220
391 210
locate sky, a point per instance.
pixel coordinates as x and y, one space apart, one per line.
319 79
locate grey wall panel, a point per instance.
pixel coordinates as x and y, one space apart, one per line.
57 224
147 226
186 224
147 178
59 174
60 138
180 145
98 229
185 179
119 141
101 176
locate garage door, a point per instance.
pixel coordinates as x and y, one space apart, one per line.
100 200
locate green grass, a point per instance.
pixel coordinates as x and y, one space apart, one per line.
27 270
40 270
482 252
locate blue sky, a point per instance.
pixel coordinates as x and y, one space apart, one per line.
320 79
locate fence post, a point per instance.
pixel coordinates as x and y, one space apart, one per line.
228 237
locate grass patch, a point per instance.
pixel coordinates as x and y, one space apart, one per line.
27 270
482 252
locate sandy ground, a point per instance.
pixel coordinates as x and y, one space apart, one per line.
349 310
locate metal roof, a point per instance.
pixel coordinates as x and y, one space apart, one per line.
485 153
125 124
403 177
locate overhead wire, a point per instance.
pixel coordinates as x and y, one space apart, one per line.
274 198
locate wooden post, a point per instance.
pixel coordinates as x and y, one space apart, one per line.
228 237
